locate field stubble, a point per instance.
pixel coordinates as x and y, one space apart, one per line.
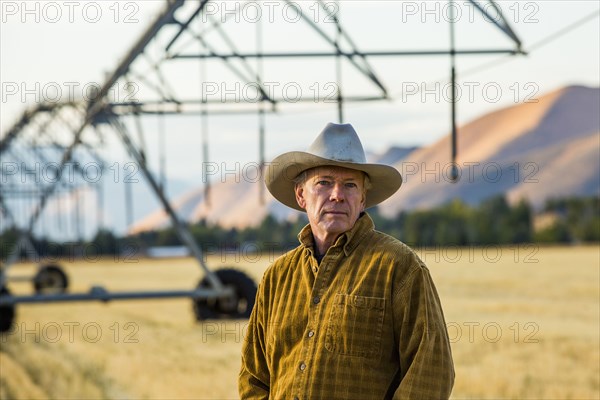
524 323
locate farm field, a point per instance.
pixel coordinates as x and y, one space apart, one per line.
524 323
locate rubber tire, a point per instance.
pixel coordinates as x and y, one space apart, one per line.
7 313
245 289
50 279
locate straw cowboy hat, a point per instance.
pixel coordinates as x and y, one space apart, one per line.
339 146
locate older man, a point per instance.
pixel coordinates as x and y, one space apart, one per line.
351 313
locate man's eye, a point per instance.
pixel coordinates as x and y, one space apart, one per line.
324 183
351 185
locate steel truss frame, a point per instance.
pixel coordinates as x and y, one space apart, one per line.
101 111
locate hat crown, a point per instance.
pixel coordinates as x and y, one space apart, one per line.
339 142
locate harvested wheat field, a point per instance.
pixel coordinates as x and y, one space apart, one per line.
524 323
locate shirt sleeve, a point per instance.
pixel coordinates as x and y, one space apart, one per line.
253 381
426 367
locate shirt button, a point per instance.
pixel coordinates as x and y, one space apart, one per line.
316 300
311 333
302 367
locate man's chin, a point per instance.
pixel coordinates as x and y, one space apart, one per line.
335 227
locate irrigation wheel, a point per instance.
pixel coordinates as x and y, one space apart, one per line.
7 312
50 279
239 306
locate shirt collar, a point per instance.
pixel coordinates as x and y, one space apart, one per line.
348 240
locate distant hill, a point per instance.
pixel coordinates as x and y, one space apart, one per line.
392 155
232 203
535 151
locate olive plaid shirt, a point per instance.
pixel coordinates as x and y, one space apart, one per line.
365 323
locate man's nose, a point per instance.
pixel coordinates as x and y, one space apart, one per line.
337 192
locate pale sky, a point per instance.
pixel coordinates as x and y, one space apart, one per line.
47 46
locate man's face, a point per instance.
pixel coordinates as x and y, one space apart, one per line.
333 198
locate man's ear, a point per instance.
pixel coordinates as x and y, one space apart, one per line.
299 191
363 201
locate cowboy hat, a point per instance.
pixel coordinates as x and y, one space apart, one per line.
338 146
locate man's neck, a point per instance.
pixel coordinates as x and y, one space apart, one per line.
324 240
323 244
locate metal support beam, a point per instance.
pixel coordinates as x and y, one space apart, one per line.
504 28
454 173
25 119
365 70
184 235
194 107
186 24
100 294
347 54
165 17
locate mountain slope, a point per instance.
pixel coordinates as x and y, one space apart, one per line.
526 150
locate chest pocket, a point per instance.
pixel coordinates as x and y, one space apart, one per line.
355 326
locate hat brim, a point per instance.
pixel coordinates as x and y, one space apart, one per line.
281 172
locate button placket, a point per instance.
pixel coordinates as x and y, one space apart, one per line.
314 314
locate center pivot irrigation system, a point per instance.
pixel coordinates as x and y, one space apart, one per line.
64 137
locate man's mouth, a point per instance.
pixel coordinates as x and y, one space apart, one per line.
334 212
